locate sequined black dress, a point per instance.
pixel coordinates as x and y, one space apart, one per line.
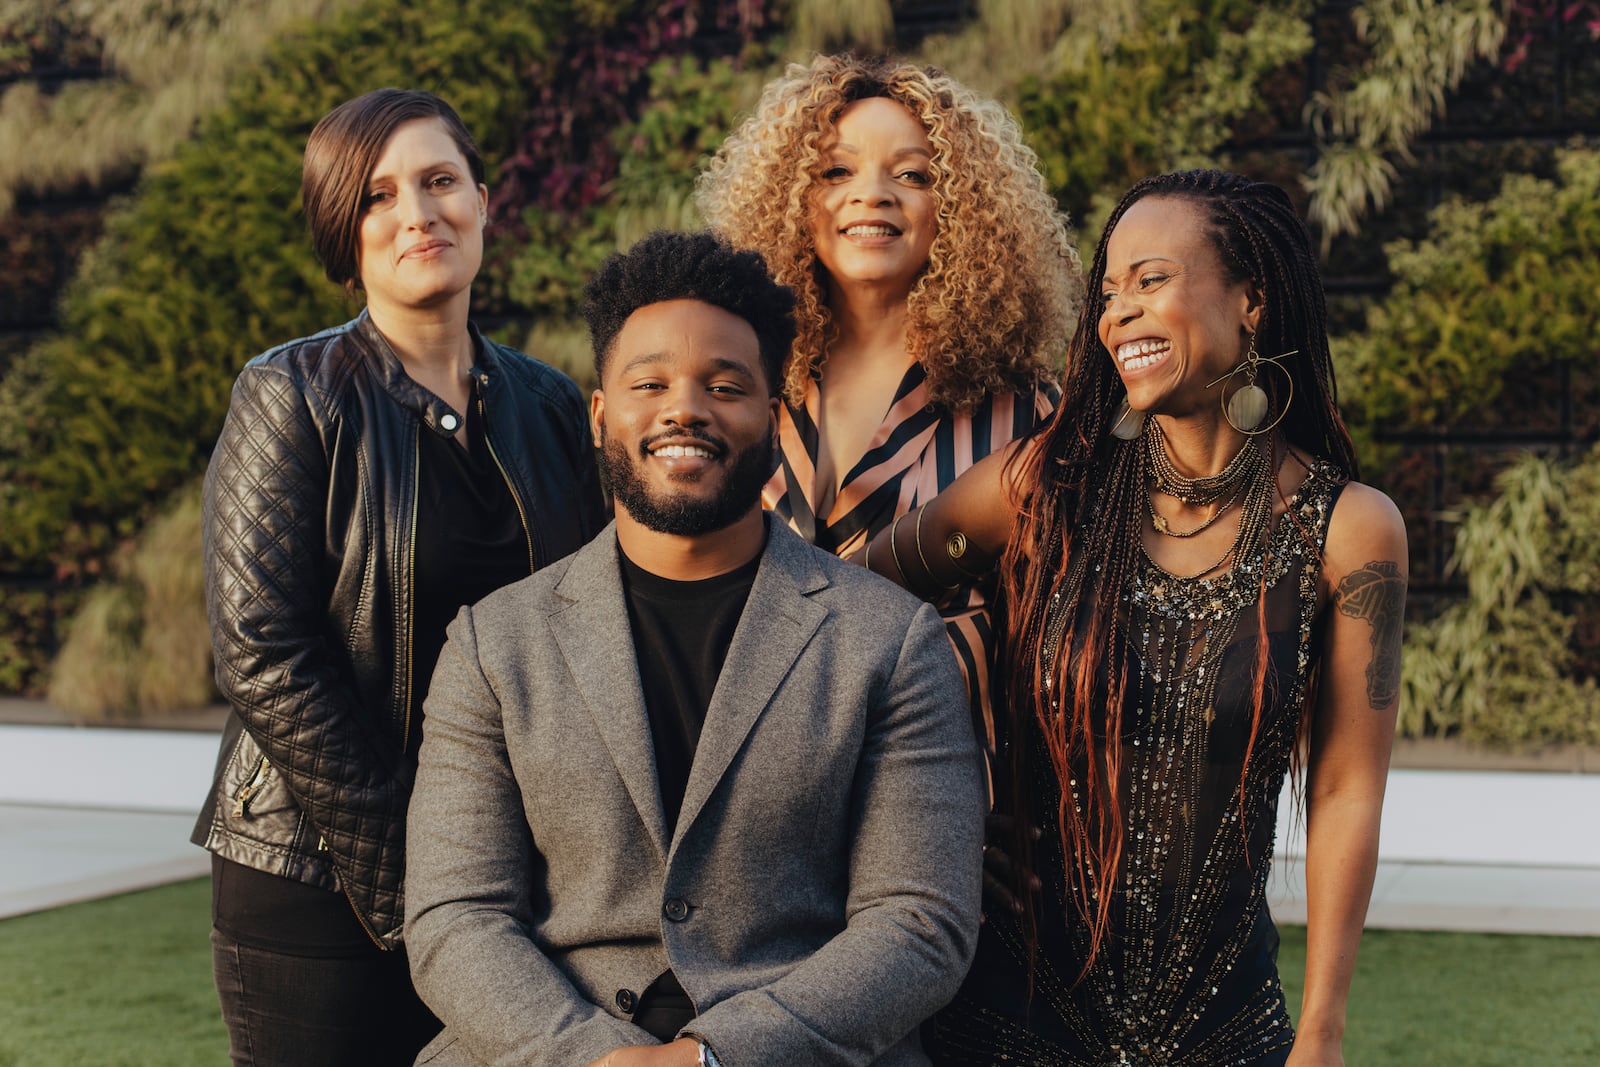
1188 975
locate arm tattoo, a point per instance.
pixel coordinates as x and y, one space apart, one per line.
1377 593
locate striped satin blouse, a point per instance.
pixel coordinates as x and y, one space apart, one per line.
917 451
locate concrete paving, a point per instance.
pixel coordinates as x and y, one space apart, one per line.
55 856
92 812
88 812
1495 851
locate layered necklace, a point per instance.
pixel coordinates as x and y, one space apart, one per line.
1247 482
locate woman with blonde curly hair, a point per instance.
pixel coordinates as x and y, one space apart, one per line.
937 288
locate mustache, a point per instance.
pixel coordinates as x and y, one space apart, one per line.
714 443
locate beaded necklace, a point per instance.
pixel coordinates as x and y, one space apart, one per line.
1248 462
1248 480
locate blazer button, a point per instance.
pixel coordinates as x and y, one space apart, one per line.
676 910
627 1000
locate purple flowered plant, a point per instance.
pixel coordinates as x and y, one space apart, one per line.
1531 17
564 159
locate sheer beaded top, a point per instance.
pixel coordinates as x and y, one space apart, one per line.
1187 974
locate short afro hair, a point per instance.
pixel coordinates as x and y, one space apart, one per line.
690 266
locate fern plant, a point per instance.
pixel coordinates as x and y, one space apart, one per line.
1498 668
1418 52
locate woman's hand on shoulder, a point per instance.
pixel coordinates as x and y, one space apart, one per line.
958 535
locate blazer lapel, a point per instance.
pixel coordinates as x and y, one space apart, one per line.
779 620
596 640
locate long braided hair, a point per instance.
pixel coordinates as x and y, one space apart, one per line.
1085 503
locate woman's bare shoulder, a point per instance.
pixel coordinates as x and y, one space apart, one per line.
1365 531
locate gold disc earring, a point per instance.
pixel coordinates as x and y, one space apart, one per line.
1247 407
1127 424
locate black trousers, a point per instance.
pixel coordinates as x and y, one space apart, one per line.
297 990
306 1011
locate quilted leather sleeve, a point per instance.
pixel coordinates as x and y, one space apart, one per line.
265 503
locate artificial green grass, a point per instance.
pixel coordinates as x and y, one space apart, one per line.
122 982
126 982
1426 999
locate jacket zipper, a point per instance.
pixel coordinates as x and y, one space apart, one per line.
241 799
483 415
411 600
411 588
241 806
365 926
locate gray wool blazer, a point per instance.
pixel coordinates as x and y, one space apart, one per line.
820 896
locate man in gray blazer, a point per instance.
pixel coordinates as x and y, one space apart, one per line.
700 793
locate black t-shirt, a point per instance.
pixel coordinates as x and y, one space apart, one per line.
681 633
469 541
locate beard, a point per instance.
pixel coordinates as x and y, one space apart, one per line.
681 514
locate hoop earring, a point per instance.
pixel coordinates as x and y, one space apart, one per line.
1245 409
1127 424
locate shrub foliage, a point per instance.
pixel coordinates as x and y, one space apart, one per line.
141 641
1500 286
1498 667
595 117
1416 54
165 64
1498 291
1162 95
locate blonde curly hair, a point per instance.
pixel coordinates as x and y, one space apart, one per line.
994 307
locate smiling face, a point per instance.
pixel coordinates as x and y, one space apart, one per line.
685 419
421 236
1171 317
873 213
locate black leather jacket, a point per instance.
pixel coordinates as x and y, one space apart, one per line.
309 520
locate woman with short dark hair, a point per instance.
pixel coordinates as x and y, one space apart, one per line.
369 481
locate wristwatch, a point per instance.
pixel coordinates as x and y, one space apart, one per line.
706 1058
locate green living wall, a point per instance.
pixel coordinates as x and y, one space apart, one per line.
595 117
1491 324
206 262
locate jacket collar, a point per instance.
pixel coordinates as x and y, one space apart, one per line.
391 373
596 639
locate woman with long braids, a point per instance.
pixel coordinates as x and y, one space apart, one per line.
1198 601
936 288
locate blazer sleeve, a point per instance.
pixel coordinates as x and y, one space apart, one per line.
264 514
469 875
915 880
